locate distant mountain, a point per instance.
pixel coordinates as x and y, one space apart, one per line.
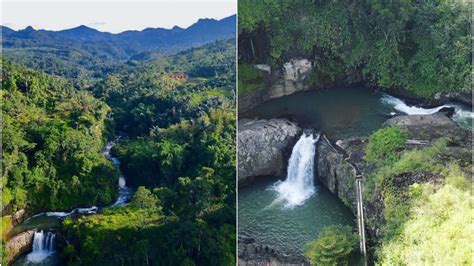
83 53
127 43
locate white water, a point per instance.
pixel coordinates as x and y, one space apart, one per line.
299 183
124 192
90 210
401 106
43 246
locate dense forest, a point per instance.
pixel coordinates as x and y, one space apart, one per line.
176 146
423 47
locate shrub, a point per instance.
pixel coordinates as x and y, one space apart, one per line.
384 145
333 246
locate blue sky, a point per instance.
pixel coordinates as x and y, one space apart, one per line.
112 15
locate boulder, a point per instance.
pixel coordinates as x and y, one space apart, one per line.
18 245
428 127
264 147
291 78
18 216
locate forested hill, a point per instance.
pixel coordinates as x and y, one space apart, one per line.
176 151
83 53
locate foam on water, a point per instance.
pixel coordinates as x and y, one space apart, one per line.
299 183
43 246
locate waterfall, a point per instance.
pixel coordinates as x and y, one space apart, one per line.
299 183
43 246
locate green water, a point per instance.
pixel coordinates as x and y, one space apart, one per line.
39 222
283 229
340 112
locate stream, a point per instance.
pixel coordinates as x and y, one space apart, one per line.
43 250
286 215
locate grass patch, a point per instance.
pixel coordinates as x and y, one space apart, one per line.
438 229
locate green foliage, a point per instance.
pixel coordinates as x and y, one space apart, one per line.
438 229
385 144
144 199
52 144
146 97
426 221
420 46
333 246
178 150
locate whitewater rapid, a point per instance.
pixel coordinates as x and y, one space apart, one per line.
299 183
402 107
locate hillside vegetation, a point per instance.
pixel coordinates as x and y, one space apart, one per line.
420 46
176 147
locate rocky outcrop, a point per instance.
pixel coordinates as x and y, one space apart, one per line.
289 79
264 147
338 165
253 254
18 245
428 127
341 162
18 216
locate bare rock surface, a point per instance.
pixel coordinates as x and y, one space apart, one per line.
264 147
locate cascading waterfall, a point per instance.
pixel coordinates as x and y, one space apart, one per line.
43 246
299 183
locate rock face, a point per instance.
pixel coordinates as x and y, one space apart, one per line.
264 147
338 165
297 69
289 79
18 245
253 254
428 127
18 216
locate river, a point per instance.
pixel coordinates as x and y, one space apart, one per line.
43 250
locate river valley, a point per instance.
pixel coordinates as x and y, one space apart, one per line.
44 224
